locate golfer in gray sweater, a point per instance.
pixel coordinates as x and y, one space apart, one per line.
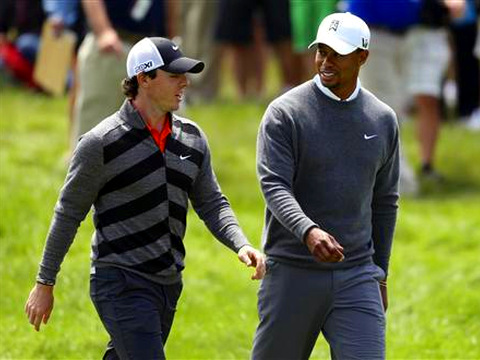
327 157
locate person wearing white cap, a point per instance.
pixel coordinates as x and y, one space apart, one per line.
328 166
139 168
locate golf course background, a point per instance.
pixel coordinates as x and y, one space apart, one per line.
434 284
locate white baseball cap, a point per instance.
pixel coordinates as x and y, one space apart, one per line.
343 32
159 53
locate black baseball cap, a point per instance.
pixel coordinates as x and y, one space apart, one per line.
160 53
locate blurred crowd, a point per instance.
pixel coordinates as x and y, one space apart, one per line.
424 54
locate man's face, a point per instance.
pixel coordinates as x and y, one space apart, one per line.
167 90
339 72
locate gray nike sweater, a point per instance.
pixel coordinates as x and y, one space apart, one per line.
330 164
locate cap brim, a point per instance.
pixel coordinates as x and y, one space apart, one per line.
184 65
340 46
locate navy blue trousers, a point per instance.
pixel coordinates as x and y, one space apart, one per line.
136 312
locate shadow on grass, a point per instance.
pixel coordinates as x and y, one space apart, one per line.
448 188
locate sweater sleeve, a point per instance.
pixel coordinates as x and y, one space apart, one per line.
213 207
276 171
385 205
75 200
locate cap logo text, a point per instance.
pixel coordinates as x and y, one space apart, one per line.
143 66
334 25
364 43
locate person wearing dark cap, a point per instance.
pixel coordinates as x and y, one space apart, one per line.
139 168
328 165
114 26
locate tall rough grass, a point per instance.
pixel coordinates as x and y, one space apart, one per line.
435 278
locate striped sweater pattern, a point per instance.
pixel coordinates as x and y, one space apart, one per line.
140 198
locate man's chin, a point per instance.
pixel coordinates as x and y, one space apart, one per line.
329 84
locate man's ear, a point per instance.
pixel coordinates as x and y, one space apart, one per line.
363 56
142 79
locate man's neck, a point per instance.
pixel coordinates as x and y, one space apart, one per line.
352 94
150 114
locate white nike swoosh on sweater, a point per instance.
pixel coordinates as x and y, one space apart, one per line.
184 157
368 137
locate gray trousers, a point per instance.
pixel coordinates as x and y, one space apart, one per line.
295 304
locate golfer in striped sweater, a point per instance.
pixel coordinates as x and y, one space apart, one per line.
139 168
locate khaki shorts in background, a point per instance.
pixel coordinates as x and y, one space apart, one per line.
428 56
402 65
384 72
99 92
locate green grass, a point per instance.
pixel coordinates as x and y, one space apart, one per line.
435 277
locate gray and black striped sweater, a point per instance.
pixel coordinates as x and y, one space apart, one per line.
140 198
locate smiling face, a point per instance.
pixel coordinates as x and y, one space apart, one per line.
337 72
166 90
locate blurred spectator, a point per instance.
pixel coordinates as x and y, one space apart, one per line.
467 69
474 122
476 49
236 29
115 26
20 27
423 58
68 15
429 56
198 19
384 73
305 16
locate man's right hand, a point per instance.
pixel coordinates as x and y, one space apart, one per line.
39 305
323 246
57 24
108 41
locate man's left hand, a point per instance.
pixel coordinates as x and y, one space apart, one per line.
252 257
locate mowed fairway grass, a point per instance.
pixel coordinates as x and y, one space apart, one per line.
434 286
